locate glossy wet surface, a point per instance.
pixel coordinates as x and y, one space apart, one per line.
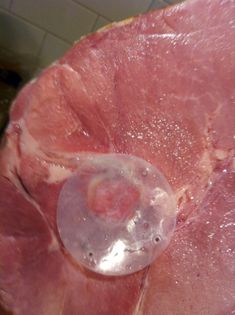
116 214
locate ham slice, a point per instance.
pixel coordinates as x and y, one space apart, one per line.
160 87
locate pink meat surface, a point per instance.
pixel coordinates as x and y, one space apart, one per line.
162 87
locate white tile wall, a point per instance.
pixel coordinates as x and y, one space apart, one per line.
18 35
101 21
52 48
117 9
63 18
158 4
45 29
5 4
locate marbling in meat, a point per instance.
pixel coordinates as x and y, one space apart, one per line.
159 87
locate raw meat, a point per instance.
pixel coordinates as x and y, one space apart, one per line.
161 87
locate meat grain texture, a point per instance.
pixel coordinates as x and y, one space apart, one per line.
162 87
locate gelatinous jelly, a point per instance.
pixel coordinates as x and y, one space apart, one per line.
116 214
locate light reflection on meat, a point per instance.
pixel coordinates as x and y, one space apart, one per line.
160 87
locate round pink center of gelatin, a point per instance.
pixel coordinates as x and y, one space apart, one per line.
113 198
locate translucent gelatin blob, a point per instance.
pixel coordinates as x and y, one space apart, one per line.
116 214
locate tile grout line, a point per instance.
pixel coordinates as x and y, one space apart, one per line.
149 7
94 24
93 11
161 1
11 13
40 49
